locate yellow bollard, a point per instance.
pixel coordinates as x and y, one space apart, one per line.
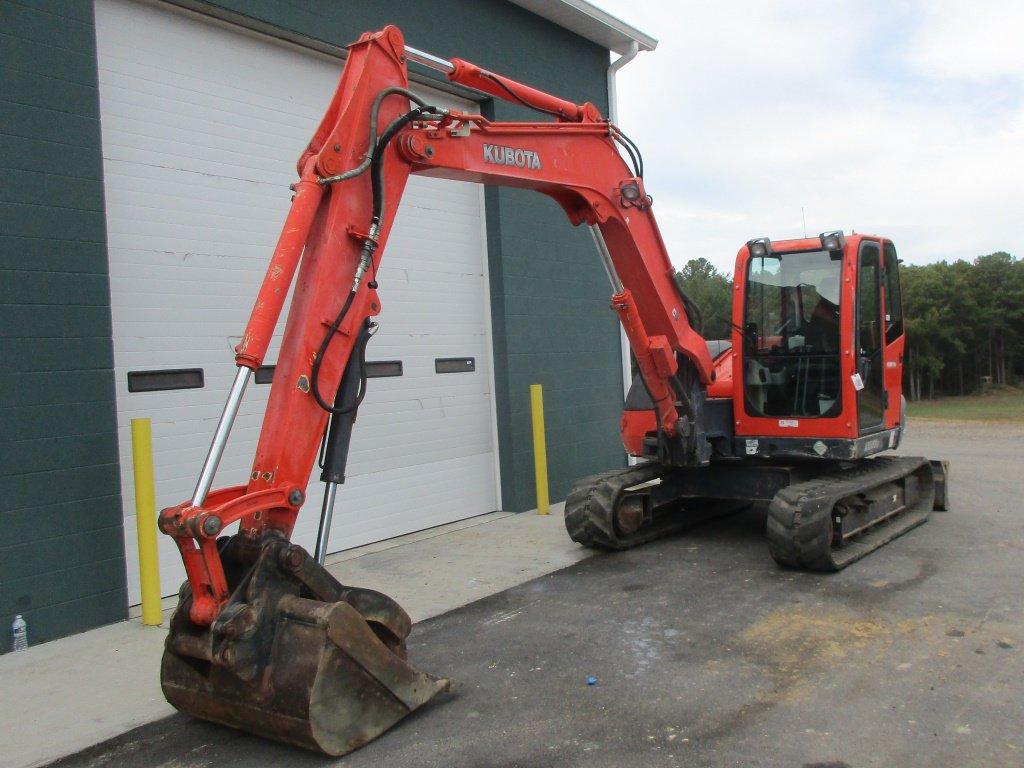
145 522
540 451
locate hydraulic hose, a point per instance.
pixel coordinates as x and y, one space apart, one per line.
374 162
314 383
372 144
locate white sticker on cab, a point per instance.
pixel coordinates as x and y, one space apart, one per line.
789 422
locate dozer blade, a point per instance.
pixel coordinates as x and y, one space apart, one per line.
295 656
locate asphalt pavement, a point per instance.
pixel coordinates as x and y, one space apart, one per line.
708 654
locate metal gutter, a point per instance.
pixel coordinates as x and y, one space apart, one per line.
614 67
590 22
613 115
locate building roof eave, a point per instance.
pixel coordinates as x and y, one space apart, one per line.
590 22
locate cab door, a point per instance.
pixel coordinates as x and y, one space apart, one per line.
870 339
895 338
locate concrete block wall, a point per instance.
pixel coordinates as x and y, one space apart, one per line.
61 552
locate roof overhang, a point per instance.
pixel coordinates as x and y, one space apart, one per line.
590 22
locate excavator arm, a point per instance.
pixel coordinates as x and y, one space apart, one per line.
234 612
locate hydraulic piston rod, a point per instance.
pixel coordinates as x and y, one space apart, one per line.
220 437
471 76
429 60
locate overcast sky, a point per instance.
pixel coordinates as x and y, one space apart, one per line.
903 119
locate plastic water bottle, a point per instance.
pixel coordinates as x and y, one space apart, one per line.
19 631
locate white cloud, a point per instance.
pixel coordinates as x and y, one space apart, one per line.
970 40
903 119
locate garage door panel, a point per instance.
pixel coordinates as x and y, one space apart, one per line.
218 290
418 498
220 278
234 198
150 206
197 160
221 215
424 216
201 127
169 182
422 364
269 82
152 232
397 394
399 400
203 268
432 425
234 99
142 106
222 144
410 291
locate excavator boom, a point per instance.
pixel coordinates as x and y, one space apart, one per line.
264 638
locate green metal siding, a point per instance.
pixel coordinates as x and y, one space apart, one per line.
549 295
61 542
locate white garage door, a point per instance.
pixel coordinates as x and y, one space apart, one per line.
201 127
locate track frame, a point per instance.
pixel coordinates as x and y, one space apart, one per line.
822 515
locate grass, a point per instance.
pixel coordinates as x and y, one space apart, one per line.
999 404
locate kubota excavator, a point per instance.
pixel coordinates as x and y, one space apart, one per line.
266 640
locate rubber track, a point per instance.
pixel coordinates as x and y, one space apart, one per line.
800 516
590 506
590 509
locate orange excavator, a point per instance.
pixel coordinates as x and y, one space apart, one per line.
787 412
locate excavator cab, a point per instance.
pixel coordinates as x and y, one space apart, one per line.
814 366
818 339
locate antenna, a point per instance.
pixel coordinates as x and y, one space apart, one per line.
803 216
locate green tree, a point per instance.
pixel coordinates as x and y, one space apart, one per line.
998 290
930 324
965 322
711 291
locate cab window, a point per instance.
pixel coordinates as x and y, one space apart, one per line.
791 335
893 296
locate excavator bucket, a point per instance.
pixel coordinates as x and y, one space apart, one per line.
294 656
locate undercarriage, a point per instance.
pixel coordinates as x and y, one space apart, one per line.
822 515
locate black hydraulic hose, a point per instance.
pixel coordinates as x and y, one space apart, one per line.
376 177
694 315
377 185
352 173
631 147
314 377
629 151
639 155
497 81
338 434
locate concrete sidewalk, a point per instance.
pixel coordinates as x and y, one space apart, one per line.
66 695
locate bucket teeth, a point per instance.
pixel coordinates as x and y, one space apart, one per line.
295 656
